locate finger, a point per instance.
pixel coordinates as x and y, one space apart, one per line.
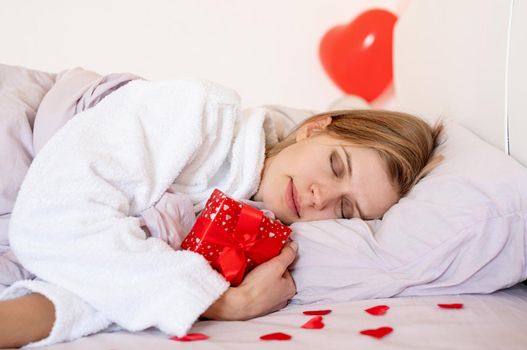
282 305
287 255
290 282
279 306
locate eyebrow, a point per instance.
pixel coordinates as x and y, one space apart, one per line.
348 161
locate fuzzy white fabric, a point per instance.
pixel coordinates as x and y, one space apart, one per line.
75 223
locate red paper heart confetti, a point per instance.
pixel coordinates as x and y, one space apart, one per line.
378 310
276 336
377 333
191 337
317 312
314 323
450 306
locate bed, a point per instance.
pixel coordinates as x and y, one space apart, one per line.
472 225
495 321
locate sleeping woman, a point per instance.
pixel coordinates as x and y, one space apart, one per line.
77 221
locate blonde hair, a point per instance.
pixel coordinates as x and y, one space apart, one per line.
406 143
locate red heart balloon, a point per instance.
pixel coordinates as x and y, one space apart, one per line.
276 336
314 323
358 56
377 333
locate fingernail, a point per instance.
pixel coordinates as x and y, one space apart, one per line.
293 245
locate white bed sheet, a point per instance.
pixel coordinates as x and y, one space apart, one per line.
495 321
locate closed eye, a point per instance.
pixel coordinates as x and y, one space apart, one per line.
332 163
336 168
336 164
343 204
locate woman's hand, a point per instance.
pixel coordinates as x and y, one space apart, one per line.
265 289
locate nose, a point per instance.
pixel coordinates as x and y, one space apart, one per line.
323 196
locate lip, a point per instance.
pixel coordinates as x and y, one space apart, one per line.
292 198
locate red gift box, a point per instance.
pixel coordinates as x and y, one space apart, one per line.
235 237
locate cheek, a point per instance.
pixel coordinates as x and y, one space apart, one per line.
272 184
315 215
308 166
386 200
394 200
304 163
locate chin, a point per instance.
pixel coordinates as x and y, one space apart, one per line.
285 220
280 217
280 214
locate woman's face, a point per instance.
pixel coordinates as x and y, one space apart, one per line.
321 177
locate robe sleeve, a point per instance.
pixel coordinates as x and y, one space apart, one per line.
75 221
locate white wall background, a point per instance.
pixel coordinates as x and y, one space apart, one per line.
266 50
451 59
465 60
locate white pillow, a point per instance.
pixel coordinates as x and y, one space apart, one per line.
462 229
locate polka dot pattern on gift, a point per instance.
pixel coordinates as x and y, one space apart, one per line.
223 213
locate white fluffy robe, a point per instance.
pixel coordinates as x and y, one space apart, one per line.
74 223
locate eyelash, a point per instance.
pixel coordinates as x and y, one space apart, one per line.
332 165
335 173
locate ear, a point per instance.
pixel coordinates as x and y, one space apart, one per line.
312 127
